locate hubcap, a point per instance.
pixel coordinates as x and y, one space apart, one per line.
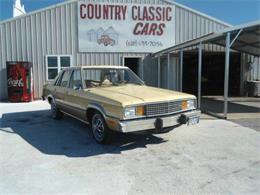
98 127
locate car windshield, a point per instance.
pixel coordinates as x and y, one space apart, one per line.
109 77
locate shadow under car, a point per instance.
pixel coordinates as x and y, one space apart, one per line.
68 136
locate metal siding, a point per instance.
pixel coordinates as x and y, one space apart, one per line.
63 30
23 37
48 32
54 31
1 61
17 43
74 42
39 52
28 39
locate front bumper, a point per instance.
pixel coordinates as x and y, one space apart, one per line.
152 123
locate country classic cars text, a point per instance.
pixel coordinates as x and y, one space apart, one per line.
150 19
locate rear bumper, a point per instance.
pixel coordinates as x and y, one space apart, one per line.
152 123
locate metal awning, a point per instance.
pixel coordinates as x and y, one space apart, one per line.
243 38
246 39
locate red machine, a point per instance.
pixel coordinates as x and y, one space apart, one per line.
19 81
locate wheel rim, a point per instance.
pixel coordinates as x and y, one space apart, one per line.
98 127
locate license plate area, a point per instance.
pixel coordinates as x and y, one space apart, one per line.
193 120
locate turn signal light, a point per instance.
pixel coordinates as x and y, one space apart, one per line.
184 105
140 111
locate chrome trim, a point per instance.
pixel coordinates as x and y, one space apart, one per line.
149 123
75 117
159 102
167 108
157 109
170 113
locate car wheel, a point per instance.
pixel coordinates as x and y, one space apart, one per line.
101 132
55 112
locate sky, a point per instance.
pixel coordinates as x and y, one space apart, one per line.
230 11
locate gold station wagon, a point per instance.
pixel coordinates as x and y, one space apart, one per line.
113 98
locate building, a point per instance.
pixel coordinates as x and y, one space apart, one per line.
73 33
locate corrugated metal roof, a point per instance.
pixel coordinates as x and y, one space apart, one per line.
248 40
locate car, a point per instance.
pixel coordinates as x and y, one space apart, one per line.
106 40
114 98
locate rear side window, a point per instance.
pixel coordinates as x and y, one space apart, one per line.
65 79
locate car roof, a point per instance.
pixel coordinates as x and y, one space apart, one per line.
104 66
96 67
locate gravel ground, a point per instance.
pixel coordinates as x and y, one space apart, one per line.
39 155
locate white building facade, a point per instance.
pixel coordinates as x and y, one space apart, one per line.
65 35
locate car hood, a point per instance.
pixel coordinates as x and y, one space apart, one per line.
138 94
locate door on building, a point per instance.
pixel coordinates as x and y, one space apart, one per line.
134 63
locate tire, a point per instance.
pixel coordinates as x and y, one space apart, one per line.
99 128
55 112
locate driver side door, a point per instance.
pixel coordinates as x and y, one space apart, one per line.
75 98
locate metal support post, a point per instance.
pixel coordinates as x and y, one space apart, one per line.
181 69
227 59
159 71
168 70
142 70
199 74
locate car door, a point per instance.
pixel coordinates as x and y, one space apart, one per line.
61 90
75 97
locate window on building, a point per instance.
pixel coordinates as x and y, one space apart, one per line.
55 63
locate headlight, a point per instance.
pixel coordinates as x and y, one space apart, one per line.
188 104
132 112
191 104
129 112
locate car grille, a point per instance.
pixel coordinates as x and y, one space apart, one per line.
163 108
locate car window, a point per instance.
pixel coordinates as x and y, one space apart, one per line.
65 79
58 78
107 77
75 81
92 77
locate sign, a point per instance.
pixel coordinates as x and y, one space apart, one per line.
110 27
